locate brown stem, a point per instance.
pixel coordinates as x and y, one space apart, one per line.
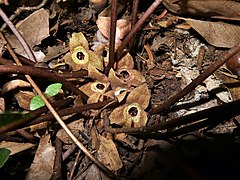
112 36
57 169
172 100
133 20
41 73
137 26
71 110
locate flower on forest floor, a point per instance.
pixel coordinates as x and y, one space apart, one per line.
80 56
132 113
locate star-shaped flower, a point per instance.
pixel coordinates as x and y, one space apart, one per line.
80 56
132 113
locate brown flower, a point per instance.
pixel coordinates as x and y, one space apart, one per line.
132 113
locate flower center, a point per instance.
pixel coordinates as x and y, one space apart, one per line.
125 74
80 55
100 86
133 111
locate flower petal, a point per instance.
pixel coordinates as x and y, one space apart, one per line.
140 95
78 39
117 117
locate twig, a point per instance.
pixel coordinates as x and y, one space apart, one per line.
137 26
172 100
74 165
18 35
133 20
71 110
69 152
111 60
50 107
57 169
39 72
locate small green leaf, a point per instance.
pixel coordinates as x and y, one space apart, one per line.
36 102
53 89
4 154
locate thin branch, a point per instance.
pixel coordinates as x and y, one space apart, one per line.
133 21
39 72
112 36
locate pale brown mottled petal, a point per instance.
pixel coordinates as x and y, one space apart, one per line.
95 60
78 39
140 95
117 117
95 74
126 62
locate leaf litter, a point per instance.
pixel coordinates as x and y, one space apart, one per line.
164 61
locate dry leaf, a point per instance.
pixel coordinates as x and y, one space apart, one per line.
42 166
14 84
54 52
23 98
219 34
75 127
15 147
2 104
108 154
34 29
221 9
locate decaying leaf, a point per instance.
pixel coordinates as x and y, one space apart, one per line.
42 166
221 9
219 34
34 29
54 52
108 154
24 98
15 147
75 126
14 84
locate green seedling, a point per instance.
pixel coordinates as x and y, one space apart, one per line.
52 90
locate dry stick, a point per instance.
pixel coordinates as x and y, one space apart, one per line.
71 110
57 169
39 72
18 35
172 100
74 165
52 110
112 36
133 20
65 74
137 26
